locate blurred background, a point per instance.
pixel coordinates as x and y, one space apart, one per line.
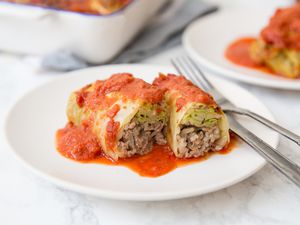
64 35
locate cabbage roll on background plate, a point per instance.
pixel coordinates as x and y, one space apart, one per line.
196 125
126 114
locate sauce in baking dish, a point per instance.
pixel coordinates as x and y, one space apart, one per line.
79 144
103 7
238 53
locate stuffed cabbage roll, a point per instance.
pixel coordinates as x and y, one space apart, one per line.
196 125
126 114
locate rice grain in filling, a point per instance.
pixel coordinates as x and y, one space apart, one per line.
138 138
194 141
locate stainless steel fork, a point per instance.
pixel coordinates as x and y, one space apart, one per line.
291 170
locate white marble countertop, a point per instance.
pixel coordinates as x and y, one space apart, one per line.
264 198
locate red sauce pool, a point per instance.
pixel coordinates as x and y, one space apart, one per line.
238 53
74 144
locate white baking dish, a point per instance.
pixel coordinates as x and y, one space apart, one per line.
95 38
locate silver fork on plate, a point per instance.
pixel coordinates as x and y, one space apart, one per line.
196 74
187 67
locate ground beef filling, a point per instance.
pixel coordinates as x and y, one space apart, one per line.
138 138
194 141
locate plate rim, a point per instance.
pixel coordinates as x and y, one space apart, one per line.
227 72
117 195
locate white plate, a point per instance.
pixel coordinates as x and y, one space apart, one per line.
206 39
32 122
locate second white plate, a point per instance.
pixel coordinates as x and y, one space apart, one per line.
206 39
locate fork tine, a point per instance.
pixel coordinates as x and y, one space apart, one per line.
194 73
180 67
176 65
208 83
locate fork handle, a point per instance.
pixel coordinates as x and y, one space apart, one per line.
281 130
275 158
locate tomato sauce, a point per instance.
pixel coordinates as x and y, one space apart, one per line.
122 86
238 53
79 144
283 30
82 6
111 133
187 91
113 111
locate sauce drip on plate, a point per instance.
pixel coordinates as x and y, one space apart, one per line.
238 53
79 144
